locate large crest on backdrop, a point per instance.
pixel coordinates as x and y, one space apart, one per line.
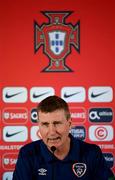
56 37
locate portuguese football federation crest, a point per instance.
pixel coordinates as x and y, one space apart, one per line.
57 37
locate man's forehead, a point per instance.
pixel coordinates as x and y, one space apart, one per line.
58 112
54 116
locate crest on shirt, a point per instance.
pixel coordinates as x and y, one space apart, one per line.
79 169
57 37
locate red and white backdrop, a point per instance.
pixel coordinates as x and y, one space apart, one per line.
56 47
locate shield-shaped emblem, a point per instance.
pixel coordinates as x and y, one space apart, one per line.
79 169
56 36
57 41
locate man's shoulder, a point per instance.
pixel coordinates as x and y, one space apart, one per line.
30 154
31 147
86 146
87 150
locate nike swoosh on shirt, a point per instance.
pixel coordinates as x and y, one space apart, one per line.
39 95
11 95
69 95
98 94
12 134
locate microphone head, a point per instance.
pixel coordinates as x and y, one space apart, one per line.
53 148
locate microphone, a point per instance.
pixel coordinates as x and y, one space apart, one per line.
53 148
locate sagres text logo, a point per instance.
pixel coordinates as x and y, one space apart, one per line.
57 36
9 161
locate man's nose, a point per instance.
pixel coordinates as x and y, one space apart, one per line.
52 129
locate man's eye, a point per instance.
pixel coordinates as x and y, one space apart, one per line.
45 124
57 123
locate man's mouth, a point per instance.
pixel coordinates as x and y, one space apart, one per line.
53 139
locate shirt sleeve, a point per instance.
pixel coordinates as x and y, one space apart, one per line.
100 168
23 169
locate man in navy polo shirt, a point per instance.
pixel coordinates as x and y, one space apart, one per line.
58 155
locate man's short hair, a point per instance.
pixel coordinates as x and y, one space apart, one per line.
53 103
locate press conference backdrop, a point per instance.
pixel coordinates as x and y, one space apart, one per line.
64 48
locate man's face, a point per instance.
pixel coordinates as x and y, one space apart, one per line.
54 128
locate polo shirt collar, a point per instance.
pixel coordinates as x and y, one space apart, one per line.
73 154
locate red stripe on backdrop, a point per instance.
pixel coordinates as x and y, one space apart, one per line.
22 69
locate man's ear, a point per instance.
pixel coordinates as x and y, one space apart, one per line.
70 122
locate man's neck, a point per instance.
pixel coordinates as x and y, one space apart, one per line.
62 152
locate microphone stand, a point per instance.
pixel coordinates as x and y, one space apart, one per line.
53 148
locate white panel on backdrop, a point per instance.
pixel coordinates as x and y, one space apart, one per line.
14 94
15 133
100 94
37 94
34 133
101 133
73 94
7 176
